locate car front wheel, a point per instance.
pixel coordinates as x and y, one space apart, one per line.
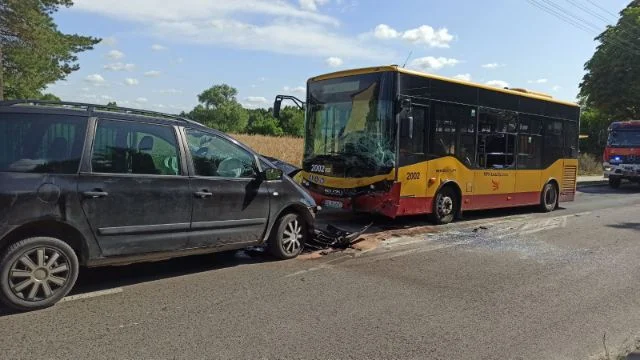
288 237
37 272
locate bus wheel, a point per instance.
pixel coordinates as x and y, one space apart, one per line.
614 182
444 206
549 198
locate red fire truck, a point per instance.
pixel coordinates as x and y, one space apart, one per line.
621 157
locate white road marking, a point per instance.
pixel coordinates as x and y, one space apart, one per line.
91 294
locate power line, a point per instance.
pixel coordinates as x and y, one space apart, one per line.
581 24
588 11
615 16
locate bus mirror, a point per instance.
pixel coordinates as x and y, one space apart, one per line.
276 107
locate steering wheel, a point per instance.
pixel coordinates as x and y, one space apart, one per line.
230 167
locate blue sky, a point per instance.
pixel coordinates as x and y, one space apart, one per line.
159 54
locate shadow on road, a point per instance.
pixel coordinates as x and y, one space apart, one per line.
103 278
602 189
626 225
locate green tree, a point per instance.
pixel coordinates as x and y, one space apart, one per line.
612 80
112 104
49 97
261 122
33 52
292 121
594 124
220 110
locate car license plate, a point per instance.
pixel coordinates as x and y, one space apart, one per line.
333 204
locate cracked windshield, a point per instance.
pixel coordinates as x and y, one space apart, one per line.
350 121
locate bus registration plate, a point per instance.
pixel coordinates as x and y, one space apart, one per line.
333 204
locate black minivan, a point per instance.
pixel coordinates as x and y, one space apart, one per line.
88 185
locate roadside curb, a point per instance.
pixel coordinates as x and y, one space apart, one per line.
583 184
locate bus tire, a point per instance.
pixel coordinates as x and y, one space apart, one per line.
549 197
445 206
614 182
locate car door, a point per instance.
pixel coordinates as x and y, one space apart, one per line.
231 202
134 194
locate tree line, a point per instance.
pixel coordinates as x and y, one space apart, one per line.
218 108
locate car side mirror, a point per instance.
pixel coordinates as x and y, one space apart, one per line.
273 174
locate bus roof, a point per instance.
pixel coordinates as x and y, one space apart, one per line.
368 70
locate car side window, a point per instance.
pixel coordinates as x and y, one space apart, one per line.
123 147
215 156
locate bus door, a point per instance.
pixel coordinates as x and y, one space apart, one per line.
495 179
412 172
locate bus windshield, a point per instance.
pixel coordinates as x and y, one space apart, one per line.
624 138
350 120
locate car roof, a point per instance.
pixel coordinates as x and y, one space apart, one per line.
88 109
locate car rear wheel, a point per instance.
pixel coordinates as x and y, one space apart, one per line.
549 198
288 237
36 273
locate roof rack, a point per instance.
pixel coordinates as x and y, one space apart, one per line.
90 108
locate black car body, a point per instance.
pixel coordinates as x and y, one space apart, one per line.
120 186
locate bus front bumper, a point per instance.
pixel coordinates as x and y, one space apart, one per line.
384 203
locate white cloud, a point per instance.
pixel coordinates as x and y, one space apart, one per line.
131 81
141 100
177 61
282 28
430 63
464 77
159 106
297 89
158 47
334 61
152 73
90 96
427 35
385 32
311 5
253 86
498 83
556 88
95 79
538 81
109 41
492 65
168 91
422 35
115 54
85 89
106 97
118 66
256 99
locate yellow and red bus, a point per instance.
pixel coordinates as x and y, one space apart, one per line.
397 142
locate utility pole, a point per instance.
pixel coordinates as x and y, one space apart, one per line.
1 75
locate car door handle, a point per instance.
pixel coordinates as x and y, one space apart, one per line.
95 194
202 194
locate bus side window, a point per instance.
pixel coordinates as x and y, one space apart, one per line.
496 139
529 141
553 148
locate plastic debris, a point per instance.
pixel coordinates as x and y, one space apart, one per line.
334 237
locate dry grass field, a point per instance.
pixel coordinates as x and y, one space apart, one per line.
287 149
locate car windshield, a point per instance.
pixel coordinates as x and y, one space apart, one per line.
624 138
41 143
351 118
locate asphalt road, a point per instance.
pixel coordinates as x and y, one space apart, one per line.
498 285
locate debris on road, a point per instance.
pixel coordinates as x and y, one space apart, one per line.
334 237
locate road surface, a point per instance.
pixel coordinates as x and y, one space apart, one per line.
499 285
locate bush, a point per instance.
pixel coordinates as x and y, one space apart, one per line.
589 164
